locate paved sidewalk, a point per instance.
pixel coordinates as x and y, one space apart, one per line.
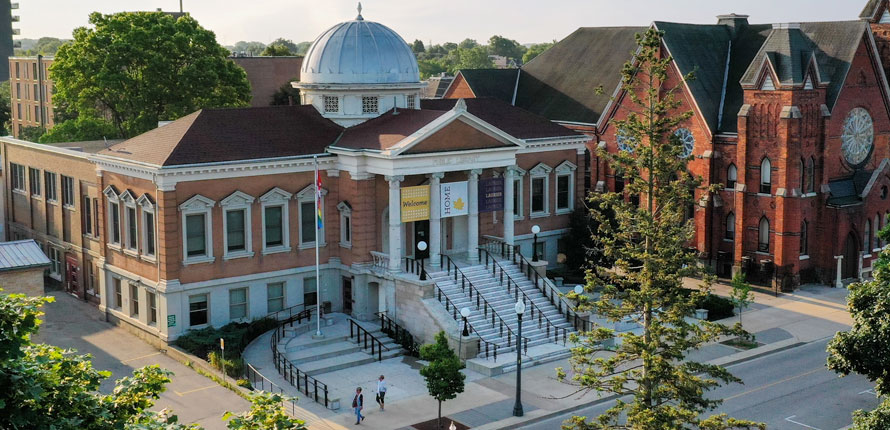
72 323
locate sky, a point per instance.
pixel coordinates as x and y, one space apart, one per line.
527 21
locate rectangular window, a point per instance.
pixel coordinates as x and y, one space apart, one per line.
238 303
148 228
17 71
115 221
275 297
18 95
310 292
34 72
50 184
55 257
96 216
370 104
411 102
34 181
18 107
87 216
307 222
118 298
539 194
132 238
67 191
274 226
17 173
197 310
196 240
517 197
346 230
134 301
152 308
331 104
563 186
235 233
36 111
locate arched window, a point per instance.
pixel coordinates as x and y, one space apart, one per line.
811 175
766 181
804 238
866 236
803 176
763 236
730 227
731 176
877 227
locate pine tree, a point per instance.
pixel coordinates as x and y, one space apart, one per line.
649 244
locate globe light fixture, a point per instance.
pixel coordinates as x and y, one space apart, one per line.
535 231
421 246
465 313
520 309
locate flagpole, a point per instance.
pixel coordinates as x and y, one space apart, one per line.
318 333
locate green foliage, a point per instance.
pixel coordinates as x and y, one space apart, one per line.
232 365
499 45
236 334
80 129
5 108
286 95
31 133
741 293
302 48
287 43
266 413
275 50
864 349
473 58
249 48
43 46
430 68
468 44
444 380
535 50
244 383
417 46
137 68
648 245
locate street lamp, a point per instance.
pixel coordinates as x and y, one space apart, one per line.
517 407
578 291
421 246
465 313
535 231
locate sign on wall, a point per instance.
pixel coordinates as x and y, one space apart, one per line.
415 203
453 198
491 195
171 320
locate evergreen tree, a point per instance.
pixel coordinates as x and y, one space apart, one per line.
649 244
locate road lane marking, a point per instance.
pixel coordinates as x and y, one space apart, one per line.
140 357
789 419
773 384
195 390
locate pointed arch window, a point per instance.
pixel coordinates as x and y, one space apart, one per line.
763 235
730 227
766 181
811 175
877 228
866 235
803 176
804 238
732 174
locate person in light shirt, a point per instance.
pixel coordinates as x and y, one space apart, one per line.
381 392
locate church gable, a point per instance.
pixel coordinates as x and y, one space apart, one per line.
457 136
459 89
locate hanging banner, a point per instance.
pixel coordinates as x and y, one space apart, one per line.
415 203
453 199
491 195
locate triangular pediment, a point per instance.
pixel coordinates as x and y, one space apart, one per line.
458 135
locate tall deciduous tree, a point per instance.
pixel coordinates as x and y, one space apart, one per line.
649 245
865 349
444 379
136 68
535 50
275 50
499 45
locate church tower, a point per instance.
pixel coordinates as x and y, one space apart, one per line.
877 14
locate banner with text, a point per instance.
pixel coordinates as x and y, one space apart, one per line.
415 203
491 195
453 200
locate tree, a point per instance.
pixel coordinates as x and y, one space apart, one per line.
535 50
468 44
444 379
274 50
137 68
417 46
504 47
741 293
249 48
286 95
265 413
474 58
302 48
287 43
48 45
5 108
430 68
863 349
80 129
651 257
31 133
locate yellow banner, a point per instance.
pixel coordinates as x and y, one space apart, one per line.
416 203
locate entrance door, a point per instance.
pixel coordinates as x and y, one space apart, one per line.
422 232
347 296
851 257
72 285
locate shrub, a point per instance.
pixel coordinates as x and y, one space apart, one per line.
718 307
234 367
243 383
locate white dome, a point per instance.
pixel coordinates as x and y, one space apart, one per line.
359 52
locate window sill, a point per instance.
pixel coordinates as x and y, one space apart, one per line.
518 217
804 257
236 255
563 211
149 258
52 202
131 252
22 192
764 195
730 189
762 253
36 197
198 260
311 245
728 240
539 215
276 250
69 207
866 256
113 247
877 250
808 195
347 245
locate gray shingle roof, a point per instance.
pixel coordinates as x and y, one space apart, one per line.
868 12
22 254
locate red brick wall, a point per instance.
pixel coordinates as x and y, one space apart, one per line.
459 89
267 74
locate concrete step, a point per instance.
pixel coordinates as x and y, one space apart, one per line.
343 361
304 355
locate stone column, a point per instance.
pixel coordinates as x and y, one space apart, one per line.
508 206
435 220
473 218
840 267
395 223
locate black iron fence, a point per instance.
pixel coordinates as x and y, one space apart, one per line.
304 383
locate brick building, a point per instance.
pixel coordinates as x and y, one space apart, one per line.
791 118
31 91
267 75
210 218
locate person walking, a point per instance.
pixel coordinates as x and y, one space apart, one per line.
357 403
381 392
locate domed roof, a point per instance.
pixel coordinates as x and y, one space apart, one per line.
359 52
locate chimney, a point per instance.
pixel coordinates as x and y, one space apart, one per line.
735 22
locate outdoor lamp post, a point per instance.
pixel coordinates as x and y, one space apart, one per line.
421 246
465 313
517 407
578 291
535 231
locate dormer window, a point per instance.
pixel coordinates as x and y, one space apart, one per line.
412 101
370 104
331 104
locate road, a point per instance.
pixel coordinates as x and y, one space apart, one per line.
787 390
71 323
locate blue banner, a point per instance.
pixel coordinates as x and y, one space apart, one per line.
491 195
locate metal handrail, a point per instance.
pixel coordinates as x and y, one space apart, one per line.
534 309
398 332
289 371
466 284
262 383
490 347
374 341
414 266
543 283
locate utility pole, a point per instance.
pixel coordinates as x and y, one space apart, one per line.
180 6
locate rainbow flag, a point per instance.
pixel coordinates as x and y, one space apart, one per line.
318 196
